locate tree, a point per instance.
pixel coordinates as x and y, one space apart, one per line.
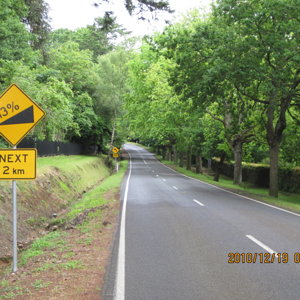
37 20
111 86
97 38
53 95
140 6
13 34
203 75
75 66
267 62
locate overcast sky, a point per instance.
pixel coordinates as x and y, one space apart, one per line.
73 14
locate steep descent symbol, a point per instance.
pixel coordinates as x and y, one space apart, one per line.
23 117
18 114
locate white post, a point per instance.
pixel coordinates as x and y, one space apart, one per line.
117 164
15 246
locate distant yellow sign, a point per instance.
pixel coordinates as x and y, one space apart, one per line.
115 155
17 164
18 114
115 150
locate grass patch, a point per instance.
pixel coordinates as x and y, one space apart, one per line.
63 186
9 292
45 267
68 254
64 162
86 241
38 284
73 264
49 241
36 221
285 200
57 267
95 197
81 171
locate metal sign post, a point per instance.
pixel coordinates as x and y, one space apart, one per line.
117 164
15 218
19 114
17 164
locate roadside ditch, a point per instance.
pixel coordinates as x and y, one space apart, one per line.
67 218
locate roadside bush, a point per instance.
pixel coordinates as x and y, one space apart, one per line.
258 175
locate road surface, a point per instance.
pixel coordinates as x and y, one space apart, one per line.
177 233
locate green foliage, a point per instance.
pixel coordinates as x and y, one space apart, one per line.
96 38
37 19
235 76
48 241
13 34
95 198
290 154
111 86
142 5
75 65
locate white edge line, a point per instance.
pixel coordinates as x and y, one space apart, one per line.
198 202
174 187
120 278
259 243
257 201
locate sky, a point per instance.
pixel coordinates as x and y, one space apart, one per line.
73 14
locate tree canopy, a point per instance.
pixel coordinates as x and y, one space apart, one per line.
223 87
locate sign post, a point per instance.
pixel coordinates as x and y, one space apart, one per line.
15 219
18 115
116 155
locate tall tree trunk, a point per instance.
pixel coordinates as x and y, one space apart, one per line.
113 135
164 153
274 137
174 154
274 159
219 167
198 164
156 149
169 153
189 159
181 159
237 150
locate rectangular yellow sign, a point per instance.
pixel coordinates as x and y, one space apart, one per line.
115 155
17 164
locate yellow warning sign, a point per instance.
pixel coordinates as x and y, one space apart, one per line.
17 164
18 114
115 155
115 150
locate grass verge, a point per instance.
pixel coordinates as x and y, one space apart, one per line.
285 200
69 264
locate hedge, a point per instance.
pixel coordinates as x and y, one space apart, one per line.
289 179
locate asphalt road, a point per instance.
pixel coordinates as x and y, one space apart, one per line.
176 234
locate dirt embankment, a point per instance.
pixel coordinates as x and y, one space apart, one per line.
41 199
68 261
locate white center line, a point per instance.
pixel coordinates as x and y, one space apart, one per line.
174 187
145 162
198 202
259 243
